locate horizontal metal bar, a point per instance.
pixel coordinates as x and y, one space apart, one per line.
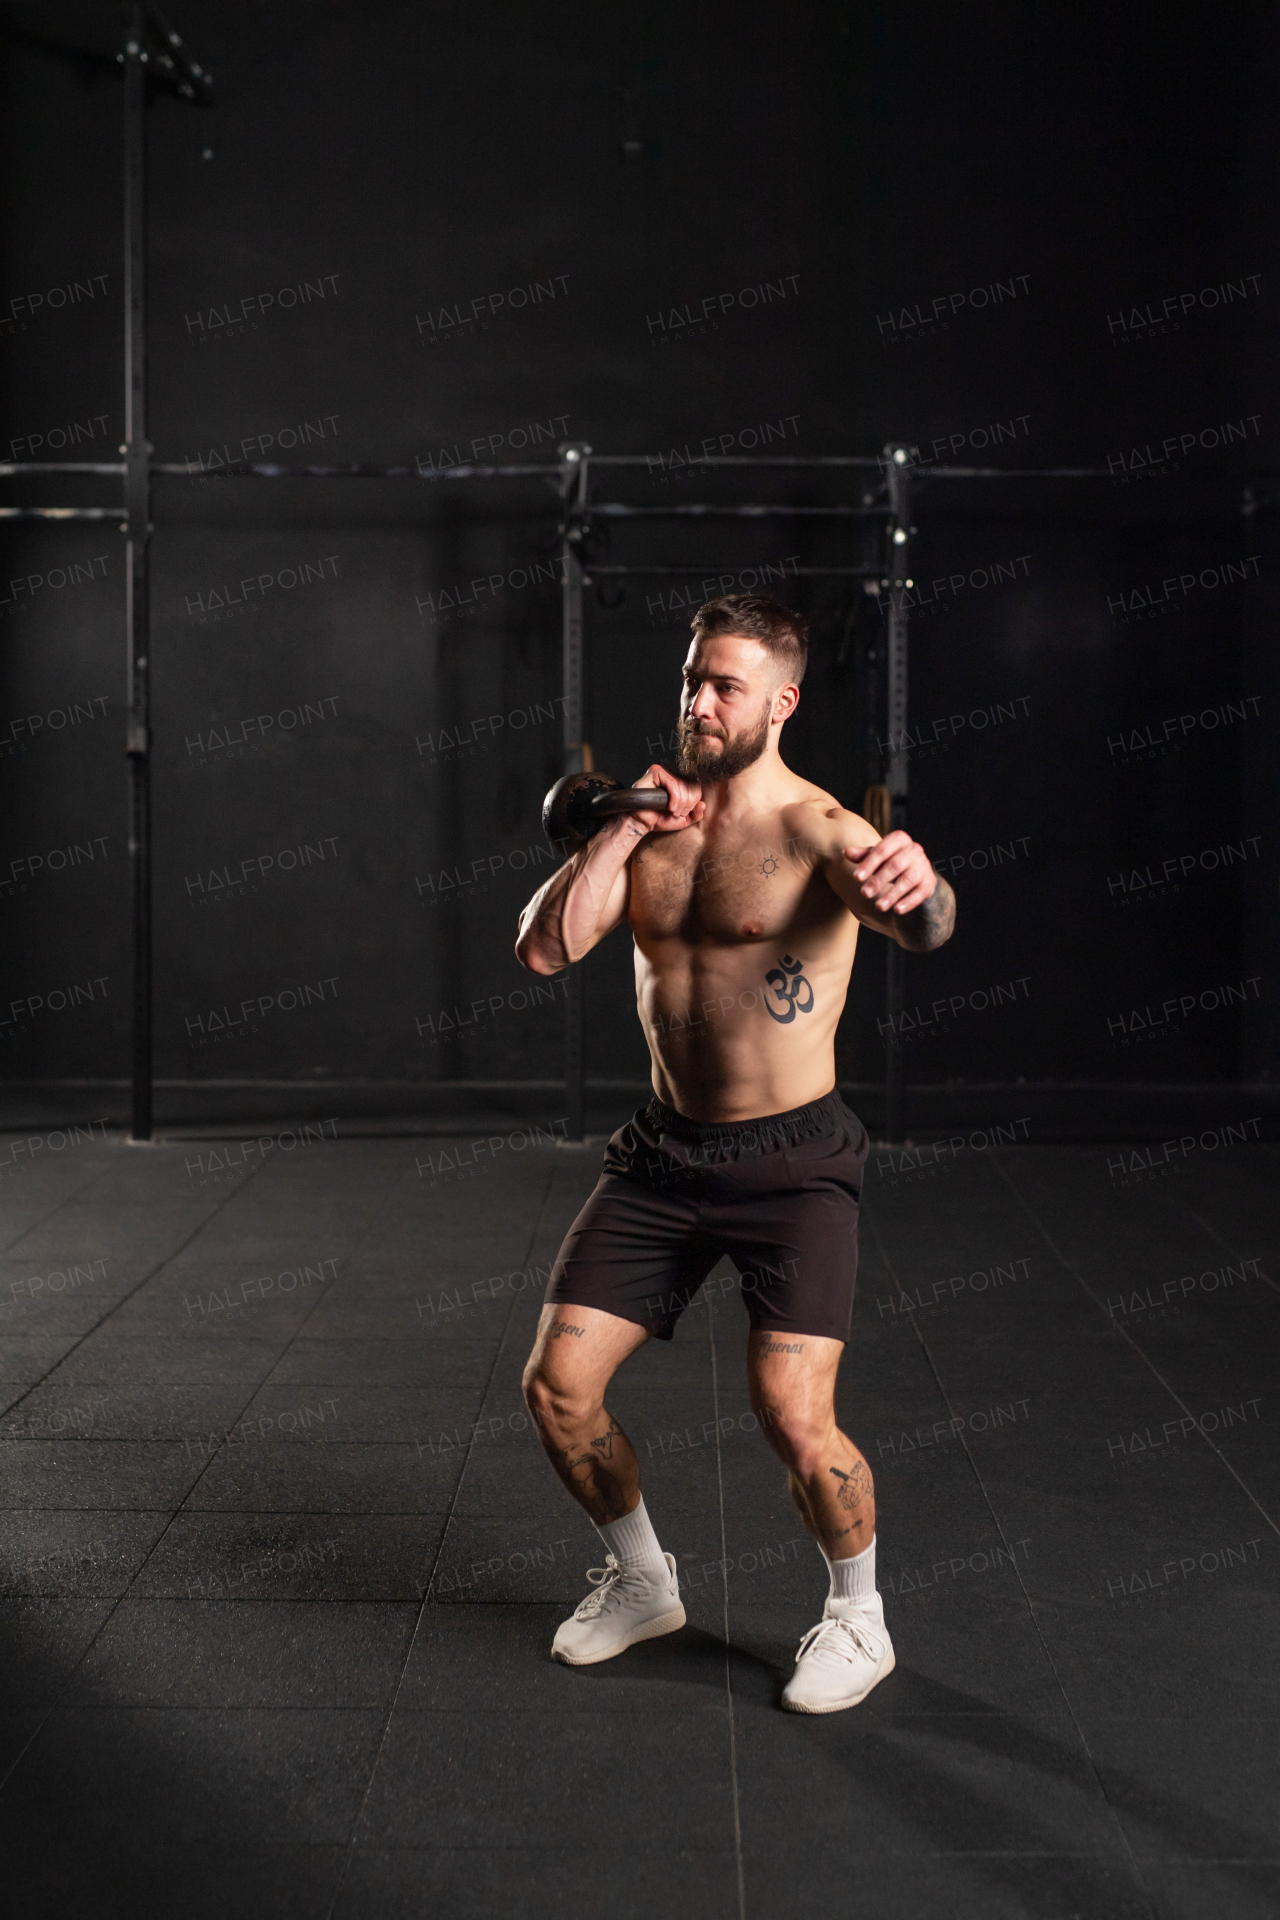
186 471
1009 473
618 510
8 467
864 573
657 460
63 513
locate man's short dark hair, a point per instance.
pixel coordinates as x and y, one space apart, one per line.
783 633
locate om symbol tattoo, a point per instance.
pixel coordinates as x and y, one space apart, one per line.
788 983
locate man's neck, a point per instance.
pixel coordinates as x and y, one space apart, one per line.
759 788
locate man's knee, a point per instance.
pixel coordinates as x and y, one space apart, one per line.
797 1438
553 1402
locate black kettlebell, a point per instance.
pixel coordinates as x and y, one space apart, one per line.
579 804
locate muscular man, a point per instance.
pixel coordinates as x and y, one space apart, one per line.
744 902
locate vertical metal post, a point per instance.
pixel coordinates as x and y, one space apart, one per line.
137 502
897 571
576 755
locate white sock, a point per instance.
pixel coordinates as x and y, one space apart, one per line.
854 1579
634 1544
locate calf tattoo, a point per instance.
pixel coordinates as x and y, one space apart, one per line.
604 1445
855 1487
591 1481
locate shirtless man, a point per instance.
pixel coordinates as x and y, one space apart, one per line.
744 901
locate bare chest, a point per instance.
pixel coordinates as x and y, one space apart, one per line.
685 889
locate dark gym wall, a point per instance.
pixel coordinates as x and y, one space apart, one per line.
378 168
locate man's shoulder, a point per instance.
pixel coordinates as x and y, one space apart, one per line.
817 824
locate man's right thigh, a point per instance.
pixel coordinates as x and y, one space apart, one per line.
634 1252
577 1352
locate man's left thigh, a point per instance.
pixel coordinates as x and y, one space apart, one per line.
797 1253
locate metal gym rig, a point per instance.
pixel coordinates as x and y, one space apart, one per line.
153 55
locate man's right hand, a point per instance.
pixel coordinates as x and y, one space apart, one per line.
686 805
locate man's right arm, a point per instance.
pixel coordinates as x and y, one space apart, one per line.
589 896
582 901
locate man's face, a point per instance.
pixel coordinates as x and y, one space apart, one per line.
730 686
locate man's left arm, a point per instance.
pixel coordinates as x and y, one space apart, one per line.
889 884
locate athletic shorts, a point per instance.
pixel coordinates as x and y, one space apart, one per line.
778 1196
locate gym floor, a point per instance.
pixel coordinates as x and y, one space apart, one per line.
290 1559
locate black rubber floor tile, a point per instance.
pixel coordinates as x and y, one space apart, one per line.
347 1314
1202 1651
185 1774
684 1449
1093 1372
18 1727
56 1411
541 1555
881 1364
772 1560
54 1319
27 1358
407 1414
211 1653
387 1363
150 1876
495 1475
41 1643
1086 1549
445 1772
950 1783
94 1473
208 1310
438 1314
1219 1370
952 1560
294 1556
1193 1788
917 1883
314 1474
1150 1453
680 1882
132 1237
76 1555
108 1360
490 1658
1199 1891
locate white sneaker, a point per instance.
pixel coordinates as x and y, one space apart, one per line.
624 1608
840 1659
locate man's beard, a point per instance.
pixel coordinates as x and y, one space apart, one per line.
698 760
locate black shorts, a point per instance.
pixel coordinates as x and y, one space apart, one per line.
778 1195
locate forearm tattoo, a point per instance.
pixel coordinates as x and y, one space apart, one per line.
931 923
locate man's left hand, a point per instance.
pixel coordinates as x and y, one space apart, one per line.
896 875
